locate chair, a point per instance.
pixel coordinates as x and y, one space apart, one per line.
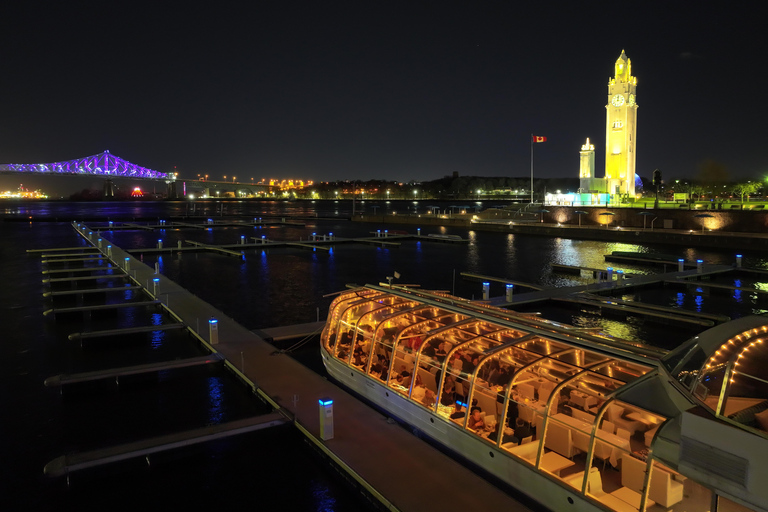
602 451
526 391
649 435
632 472
623 433
526 440
664 490
595 484
545 390
559 439
608 426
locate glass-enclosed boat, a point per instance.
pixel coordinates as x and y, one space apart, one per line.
565 415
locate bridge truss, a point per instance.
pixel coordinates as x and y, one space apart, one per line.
103 164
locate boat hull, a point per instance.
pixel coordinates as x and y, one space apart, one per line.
517 474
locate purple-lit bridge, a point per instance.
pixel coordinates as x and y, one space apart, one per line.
104 164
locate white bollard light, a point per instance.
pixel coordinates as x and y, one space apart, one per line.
213 331
326 418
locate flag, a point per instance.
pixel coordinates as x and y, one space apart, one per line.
538 138
397 275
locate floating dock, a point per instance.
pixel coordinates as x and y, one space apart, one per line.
116 373
295 390
66 464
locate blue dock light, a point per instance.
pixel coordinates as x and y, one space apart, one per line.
386 233
738 261
510 291
330 236
314 237
609 274
110 223
699 264
619 276
160 244
242 239
486 291
109 251
680 264
155 285
98 242
213 331
378 233
263 238
418 231
326 418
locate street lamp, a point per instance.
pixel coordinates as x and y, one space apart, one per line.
233 179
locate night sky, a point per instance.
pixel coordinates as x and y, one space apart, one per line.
328 90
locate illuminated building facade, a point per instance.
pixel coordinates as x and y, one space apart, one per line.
620 142
621 130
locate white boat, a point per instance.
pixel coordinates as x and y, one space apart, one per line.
575 419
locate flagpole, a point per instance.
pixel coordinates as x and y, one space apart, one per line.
531 168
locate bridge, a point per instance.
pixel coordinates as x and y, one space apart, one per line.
104 164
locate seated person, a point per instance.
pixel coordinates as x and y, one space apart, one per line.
522 429
402 375
381 367
429 398
449 391
506 438
476 422
457 412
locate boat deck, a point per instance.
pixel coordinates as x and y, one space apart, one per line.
404 472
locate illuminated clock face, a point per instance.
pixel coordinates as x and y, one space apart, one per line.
617 100
631 100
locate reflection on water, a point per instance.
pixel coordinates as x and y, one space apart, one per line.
215 401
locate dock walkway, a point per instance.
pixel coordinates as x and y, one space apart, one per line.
370 449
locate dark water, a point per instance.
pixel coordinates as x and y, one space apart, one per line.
263 288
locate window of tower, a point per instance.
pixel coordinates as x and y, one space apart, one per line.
618 125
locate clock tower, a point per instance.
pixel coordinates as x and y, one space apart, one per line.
621 130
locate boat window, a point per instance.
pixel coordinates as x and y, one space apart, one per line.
623 371
579 357
519 437
732 381
690 368
542 346
337 309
